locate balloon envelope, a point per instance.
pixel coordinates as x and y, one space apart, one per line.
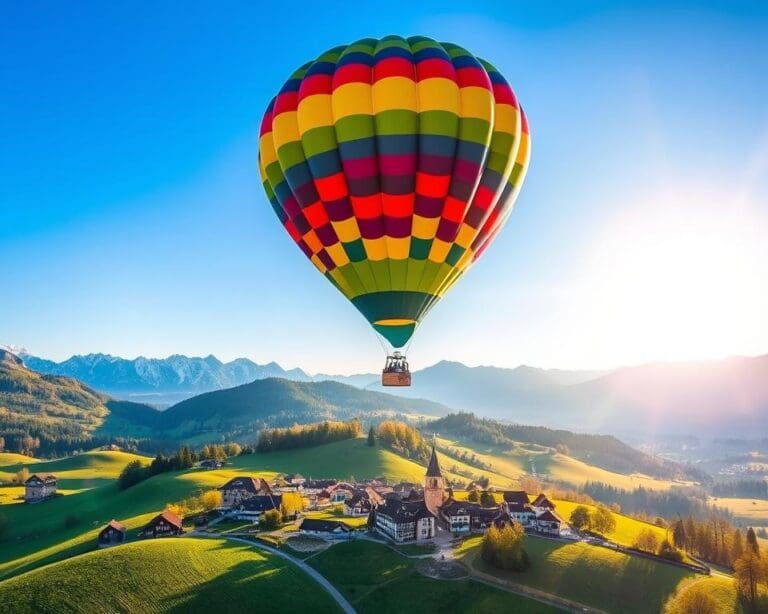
393 164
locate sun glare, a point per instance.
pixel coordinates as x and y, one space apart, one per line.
682 276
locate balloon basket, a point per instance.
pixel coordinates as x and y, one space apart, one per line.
396 372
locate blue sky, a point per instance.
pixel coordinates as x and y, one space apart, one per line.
132 220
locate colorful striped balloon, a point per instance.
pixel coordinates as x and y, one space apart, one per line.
393 164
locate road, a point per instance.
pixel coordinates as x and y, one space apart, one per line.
311 571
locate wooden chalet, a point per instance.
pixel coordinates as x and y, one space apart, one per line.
466 516
404 521
541 504
549 523
240 488
166 524
363 502
113 533
253 508
39 487
517 506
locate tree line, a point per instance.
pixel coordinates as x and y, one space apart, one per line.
741 488
403 439
307 435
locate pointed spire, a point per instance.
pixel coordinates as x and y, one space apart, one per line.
433 470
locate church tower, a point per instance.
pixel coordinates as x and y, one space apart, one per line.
434 485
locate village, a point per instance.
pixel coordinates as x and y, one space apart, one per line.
402 512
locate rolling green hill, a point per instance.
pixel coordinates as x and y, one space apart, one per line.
281 402
595 576
171 575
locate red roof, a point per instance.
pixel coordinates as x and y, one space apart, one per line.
550 517
170 518
542 501
117 526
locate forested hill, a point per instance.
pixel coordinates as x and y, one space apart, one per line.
282 402
600 450
50 414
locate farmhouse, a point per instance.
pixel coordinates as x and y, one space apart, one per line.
295 479
240 488
39 486
549 523
518 508
541 504
325 528
113 533
312 487
211 463
465 516
166 524
363 502
252 509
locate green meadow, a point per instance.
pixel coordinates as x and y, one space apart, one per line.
166 575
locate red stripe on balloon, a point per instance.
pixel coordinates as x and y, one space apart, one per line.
393 67
435 67
351 73
315 84
473 77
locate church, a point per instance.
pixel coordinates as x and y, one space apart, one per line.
414 519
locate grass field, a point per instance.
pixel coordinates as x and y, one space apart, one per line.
753 511
595 576
376 579
721 589
170 575
516 462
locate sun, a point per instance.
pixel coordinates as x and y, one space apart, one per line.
682 275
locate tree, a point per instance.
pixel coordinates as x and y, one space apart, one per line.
179 509
132 474
22 475
737 545
691 600
581 518
603 521
371 436
748 571
2 444
269 520
211 499
503 547
291 504
647 541
530 484
678 534
752 542
487 499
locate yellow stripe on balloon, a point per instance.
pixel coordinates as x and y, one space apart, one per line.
466 235
347 230
315 112
424 227
267 149
398 248
337 254
376 249
394 93
394 322
507 119
476 102
352 99
439 250
438 94
285 129
317 262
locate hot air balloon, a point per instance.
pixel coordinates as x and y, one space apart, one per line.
393 164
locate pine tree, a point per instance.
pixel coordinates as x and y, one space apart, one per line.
678 534
371 436
752 542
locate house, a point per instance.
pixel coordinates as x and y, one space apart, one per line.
549 523
312 487
404 521
39 486
341 492
240 488
211 463
362 502
295 479
517 506
113 533
465 516
251 509
166 524
541 504
325 528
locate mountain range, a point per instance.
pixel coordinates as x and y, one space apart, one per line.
706 398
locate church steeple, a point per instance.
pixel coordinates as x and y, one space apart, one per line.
434 485
433 470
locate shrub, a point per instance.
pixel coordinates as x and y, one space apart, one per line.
270 520
503 548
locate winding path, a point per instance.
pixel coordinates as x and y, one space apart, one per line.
311 571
